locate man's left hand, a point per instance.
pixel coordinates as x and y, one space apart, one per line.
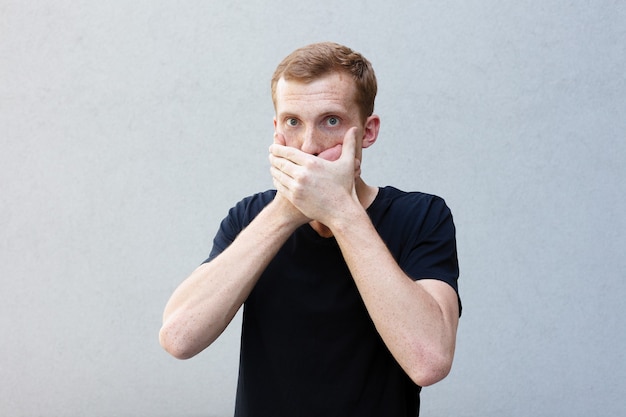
319 186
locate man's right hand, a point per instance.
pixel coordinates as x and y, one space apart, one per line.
289 211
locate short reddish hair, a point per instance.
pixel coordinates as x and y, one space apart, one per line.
319 59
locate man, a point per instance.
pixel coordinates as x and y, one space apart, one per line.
349 290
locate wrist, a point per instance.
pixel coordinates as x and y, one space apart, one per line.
286 214
350 216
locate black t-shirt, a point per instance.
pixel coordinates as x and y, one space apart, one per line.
308 345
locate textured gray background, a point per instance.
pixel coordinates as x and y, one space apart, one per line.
127 129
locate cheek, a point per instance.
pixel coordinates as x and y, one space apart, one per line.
318 138
292 140
287 137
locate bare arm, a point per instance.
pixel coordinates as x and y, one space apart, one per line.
416 319
205 303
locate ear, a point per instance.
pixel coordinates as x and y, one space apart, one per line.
370 132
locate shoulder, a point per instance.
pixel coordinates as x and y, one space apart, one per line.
419 231
401 214
239 216
247 208
242 213
262 198
391 198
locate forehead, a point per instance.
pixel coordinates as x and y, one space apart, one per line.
333 92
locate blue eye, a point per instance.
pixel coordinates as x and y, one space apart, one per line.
292 121
332 121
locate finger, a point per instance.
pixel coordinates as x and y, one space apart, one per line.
280 187
292 154
348 150
282 165
282 181
277 176
357 168
277 163
279 142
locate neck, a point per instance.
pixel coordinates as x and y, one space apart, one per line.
365 193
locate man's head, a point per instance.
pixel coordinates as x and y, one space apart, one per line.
315 61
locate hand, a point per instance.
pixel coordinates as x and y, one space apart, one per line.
319 187
289 211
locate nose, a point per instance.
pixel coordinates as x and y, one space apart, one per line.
311 143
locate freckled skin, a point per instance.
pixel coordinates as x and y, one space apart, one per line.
315 118
417 320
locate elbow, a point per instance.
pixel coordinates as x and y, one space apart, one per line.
425 378
430 369
175 343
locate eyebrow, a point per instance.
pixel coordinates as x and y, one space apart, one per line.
326 113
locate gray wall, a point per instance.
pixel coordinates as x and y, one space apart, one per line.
127 129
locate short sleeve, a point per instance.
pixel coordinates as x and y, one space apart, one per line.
237 219
431 251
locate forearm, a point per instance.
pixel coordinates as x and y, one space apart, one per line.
416 319
205 303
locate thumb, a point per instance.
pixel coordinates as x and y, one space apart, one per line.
348 150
